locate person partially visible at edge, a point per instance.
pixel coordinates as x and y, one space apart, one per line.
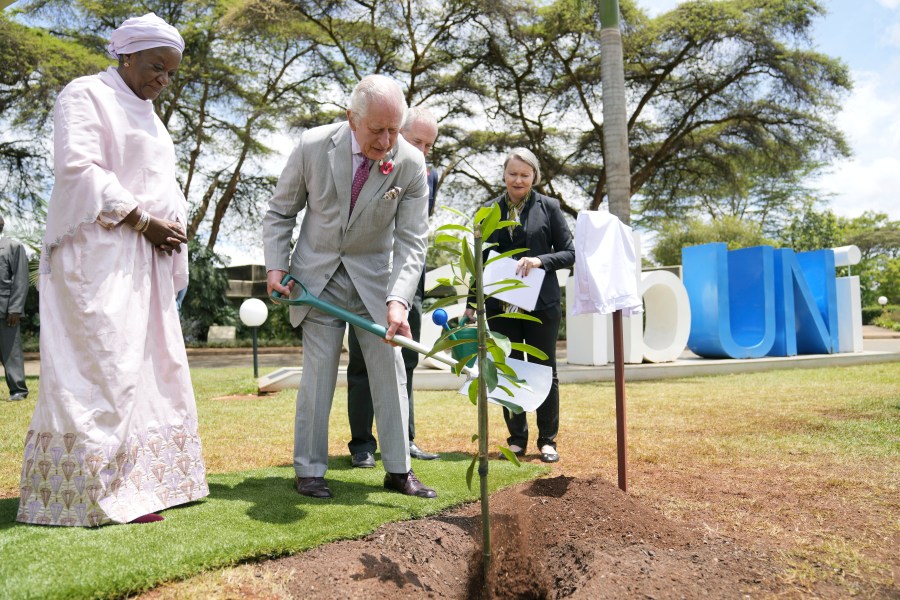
13 291
542 230
114 435
419 129
361 247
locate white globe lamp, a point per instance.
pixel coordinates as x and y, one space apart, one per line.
253 314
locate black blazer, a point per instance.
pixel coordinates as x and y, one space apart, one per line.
546 236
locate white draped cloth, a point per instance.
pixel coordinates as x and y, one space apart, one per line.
605 275
114 432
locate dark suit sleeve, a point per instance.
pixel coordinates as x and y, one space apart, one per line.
562 255
19 280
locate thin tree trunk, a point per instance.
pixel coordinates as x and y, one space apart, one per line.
482 410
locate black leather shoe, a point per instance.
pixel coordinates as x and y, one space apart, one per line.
416 452
314 487
363 460
409 484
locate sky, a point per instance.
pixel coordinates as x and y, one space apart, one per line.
865 35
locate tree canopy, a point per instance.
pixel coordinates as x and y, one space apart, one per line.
729 108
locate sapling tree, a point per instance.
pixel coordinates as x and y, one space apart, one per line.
466 244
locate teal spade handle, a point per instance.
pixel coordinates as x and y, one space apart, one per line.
305 298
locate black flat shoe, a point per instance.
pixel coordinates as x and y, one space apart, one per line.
418 453
549 454
363 460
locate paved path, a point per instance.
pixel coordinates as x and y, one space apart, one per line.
879 345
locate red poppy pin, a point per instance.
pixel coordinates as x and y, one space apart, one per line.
386 167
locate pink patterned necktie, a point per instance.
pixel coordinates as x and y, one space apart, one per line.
359 179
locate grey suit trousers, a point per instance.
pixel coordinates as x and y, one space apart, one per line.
323 337
13 359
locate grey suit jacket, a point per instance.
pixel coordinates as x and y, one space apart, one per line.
13 276
382 245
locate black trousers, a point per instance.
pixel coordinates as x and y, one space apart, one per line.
543 336
359 397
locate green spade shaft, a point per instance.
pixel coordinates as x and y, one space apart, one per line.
305 298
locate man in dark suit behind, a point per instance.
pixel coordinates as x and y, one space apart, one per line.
13 289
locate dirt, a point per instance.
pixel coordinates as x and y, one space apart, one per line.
558 537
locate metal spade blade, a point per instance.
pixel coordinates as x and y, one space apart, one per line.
530 395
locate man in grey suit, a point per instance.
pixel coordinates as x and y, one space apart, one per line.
421 130
361 246
13 289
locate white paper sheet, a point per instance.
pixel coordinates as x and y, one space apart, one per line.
505 268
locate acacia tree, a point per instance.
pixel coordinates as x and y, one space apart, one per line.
235 86
719 94
709 83
34 66
427 45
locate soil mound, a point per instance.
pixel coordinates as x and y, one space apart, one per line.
551 538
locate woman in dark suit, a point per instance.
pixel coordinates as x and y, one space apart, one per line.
543 232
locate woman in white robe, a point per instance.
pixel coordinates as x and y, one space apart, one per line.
114 434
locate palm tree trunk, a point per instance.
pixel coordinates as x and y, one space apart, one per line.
615 127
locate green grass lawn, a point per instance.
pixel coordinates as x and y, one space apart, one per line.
784 456
252 511
248 515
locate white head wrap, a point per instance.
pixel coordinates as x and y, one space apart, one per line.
141 33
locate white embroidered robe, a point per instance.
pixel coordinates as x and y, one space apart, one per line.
114 432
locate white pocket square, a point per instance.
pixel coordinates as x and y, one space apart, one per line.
392 194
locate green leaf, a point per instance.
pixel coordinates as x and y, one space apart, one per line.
474 437
490 291
453 227
489 372
446 344
456 212
506 254
468 261
509 224
516 315
497 353
470 472
473 391
530 350
490 221
513 408
446 238
505 389
510 456
481 214
502 342
510 374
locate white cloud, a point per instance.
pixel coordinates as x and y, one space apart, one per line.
892 34
891 4
870 180
656 7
